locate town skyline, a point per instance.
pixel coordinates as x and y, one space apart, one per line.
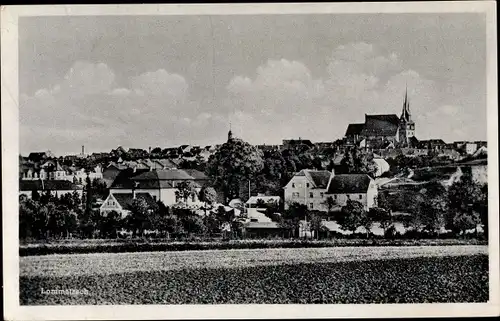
279 77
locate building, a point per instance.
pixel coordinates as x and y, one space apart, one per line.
432 144
160 184
297 143
379 131
53 170
356 187
121 203
254 201
56 187
308 187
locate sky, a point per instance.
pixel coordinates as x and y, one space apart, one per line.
140 81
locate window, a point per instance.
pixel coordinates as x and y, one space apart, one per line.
154 197
322 194
293 185
300 185
335 196
193 198
311 205
295 195
307 185
311 195
360 196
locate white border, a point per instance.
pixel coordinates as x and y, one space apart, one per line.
10 151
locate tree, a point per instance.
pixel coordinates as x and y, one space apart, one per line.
352 216
185 190
465 198
330 204
110 224
290 220
315 224
138 220
209 196
358 161
383 212
233 162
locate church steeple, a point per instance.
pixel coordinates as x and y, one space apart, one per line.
405 115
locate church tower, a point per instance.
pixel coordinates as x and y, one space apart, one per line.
406 124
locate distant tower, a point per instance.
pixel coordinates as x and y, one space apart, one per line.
230 133
83 149
406 124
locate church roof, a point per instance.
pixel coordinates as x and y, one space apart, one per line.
380 125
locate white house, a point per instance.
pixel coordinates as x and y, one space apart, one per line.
356 187
160 184
121 203
308 187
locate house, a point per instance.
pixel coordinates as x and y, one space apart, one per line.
137 153
118 152
432 144
470 148
160 184
56 187
40 156
356 187
121 203
254 201
308 187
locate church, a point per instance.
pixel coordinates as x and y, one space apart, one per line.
384 131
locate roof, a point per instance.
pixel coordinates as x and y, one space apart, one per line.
354 129
51 185
268 225
155 179
254 199
380 125
125 199
318 178
196 174
349 183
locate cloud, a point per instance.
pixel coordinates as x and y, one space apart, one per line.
87 106
284 99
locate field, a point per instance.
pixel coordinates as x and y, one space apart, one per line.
324 275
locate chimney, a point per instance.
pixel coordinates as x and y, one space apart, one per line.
149 150
83 149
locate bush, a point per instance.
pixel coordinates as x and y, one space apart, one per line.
145 245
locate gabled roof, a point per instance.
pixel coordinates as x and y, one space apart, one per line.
51 185
349 183
354 129
125 199
319 178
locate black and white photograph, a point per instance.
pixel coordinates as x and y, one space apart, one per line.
225 155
